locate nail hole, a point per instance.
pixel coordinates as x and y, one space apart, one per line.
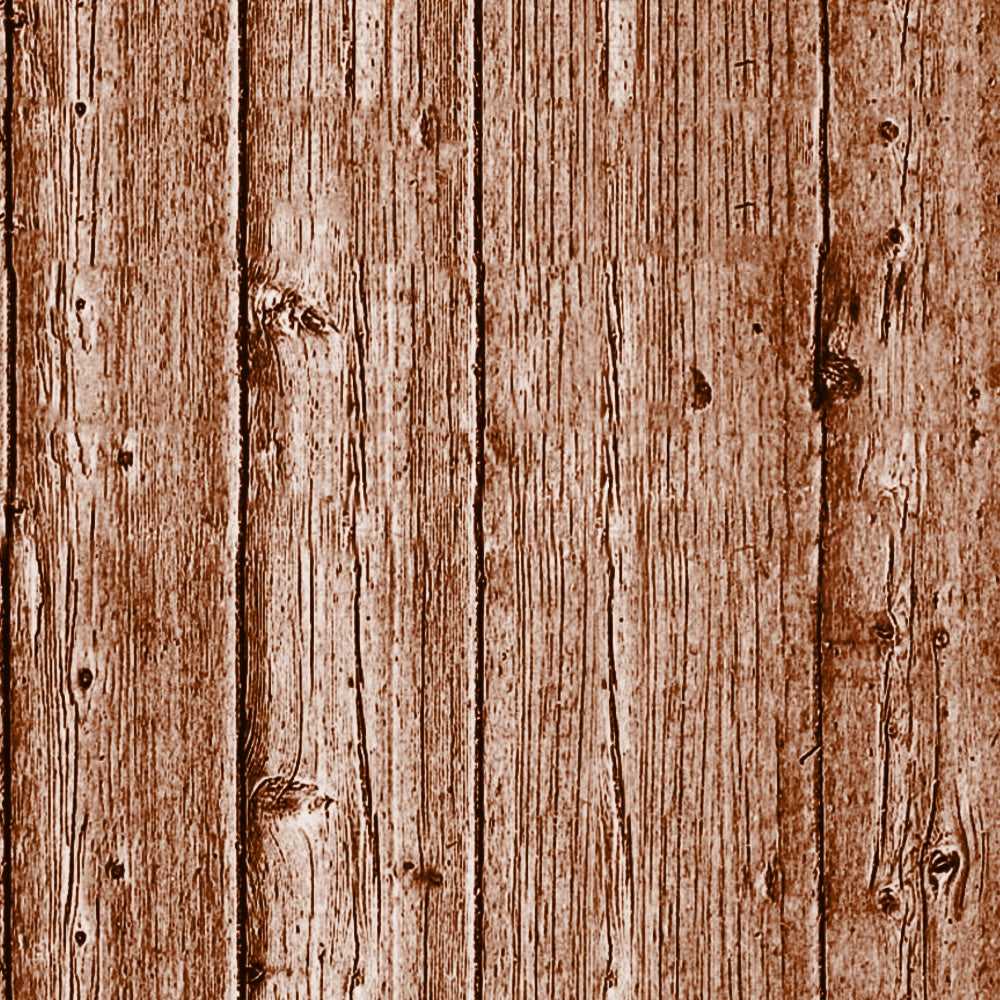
889 130
941 638
895 236
80 108
80 937
115 869
80 304
85 677
125 459
758 329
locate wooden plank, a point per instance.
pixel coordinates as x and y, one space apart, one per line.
652 500
360 590
122 634
911 602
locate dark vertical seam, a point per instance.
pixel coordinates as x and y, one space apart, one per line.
819 401
10 505
479 909
242 648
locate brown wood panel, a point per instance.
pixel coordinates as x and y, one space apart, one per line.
652 499
911 577
122 617
360 595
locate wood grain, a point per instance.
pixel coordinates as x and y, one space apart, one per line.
501 499
360 600
652 224
910 596
122 616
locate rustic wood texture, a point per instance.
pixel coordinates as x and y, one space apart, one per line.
360 601
500 499
123 530
911 601
652 222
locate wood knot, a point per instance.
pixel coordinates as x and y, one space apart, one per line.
887 900
839 379
773 879
884 630
942 868
280 797
427 875
889 130
253 973
702 390
429 127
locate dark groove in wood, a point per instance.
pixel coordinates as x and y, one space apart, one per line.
10 505
820 400
479 732
242 650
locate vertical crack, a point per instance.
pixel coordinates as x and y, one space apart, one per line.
820 398
478 940
11 24
242 648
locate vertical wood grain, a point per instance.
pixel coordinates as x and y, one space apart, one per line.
360 597
124 517
911 598
653 494
553 857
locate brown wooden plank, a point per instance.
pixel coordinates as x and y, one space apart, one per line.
911 602
123 584
653 487
360 589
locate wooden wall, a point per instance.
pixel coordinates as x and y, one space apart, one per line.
501 499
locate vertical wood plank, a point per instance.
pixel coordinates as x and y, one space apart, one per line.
911 598
124 517
553 857
360 600
653 494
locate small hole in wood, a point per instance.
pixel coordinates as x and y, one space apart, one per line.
80 108
889 130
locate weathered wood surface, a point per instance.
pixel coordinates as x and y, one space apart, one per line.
360 605
653 497
911 592
674 320
123 528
